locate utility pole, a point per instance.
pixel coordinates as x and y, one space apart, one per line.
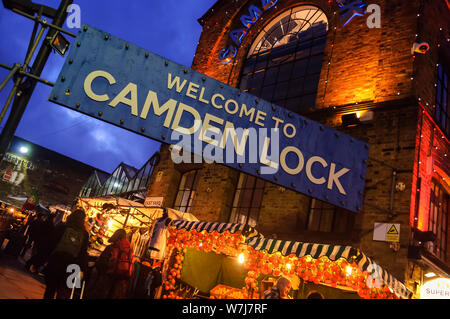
22 97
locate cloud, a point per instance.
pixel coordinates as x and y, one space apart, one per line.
168 28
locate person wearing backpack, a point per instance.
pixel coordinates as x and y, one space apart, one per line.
120 265
114 269
70 243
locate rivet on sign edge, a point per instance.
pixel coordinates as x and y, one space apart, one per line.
85 28
122 121
293 185
142 129
100 113
78 43
77 105
147 54
166 63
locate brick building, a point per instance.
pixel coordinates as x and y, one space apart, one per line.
316 59
28 169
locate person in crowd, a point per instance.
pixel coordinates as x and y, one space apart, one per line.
34 232
114 269
42 243
70 241
280 290
154 281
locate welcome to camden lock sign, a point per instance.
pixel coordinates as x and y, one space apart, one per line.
125 85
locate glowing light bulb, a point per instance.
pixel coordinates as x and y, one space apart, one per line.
241 258
110 222
349 270
288 266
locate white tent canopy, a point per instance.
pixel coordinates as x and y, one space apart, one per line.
24 199
133 213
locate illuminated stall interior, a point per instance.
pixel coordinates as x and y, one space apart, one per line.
233 261
108 214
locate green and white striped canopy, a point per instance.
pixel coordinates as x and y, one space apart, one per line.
333 252
215 226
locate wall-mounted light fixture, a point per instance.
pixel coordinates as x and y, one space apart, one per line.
349 120
353 119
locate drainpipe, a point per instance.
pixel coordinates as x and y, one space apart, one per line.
391 205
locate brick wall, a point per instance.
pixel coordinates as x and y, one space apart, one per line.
370 70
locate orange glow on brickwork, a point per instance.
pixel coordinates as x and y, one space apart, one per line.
433 146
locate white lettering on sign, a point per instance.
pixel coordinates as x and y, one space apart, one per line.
216 131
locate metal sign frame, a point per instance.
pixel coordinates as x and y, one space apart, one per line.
120 83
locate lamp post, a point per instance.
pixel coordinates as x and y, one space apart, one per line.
22 97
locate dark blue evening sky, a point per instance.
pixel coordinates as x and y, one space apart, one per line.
166 27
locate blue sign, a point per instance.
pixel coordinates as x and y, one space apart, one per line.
125 85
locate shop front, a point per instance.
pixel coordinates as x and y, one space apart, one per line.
233 261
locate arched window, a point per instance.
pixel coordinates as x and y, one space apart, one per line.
284 63
186 191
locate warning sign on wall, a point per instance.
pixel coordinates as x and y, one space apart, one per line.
386 232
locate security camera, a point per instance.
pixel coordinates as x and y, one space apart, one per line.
421 48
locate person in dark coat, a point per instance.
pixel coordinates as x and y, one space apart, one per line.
114 269
70 242
42 237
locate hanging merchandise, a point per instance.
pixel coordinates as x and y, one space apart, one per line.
159 237
98 227
230 261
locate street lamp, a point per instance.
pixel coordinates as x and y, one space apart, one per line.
23 149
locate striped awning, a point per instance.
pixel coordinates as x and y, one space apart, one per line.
214 226
333 252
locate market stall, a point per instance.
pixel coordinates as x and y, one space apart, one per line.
107 214
222 260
